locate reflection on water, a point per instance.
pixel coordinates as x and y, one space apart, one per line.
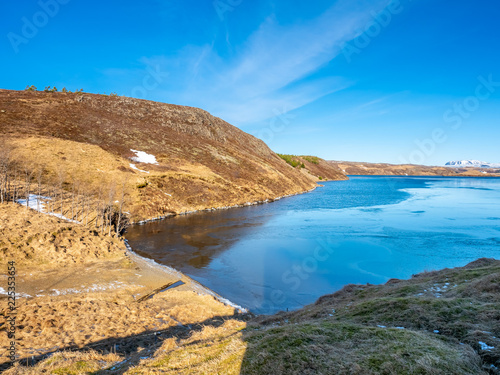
366 230
191 241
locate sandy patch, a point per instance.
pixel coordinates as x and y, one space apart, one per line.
79 290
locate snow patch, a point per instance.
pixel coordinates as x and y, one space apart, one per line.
137 169
143 157
18 295
37 203
92 288
471 164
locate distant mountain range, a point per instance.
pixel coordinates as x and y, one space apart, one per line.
471 164
384 169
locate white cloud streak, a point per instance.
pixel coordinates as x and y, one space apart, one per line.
271 70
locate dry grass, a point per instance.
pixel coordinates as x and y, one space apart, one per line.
83 290
105 319
36 241
69 363
213 350
340 334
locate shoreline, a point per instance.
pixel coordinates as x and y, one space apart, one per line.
81 291
247 204
156 270
194 285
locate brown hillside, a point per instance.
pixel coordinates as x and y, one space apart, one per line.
203 162
319 169
322 169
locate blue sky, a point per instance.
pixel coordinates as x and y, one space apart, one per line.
379 81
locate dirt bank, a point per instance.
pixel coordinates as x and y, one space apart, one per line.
77 289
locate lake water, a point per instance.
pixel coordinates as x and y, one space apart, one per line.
286 254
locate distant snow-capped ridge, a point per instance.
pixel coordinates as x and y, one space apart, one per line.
471 164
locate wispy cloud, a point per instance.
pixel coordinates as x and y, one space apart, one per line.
272 69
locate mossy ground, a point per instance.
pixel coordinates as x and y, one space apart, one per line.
326 347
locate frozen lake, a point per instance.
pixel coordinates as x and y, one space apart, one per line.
366 230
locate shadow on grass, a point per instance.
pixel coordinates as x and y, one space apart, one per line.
133 347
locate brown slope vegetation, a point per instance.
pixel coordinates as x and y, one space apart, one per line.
203 161
384 169
321 169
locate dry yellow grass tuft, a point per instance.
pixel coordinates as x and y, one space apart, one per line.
213 350
69 363
36 241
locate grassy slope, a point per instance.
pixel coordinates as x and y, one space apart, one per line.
315 166
204 162
357 168
37 241
343 331
343 334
